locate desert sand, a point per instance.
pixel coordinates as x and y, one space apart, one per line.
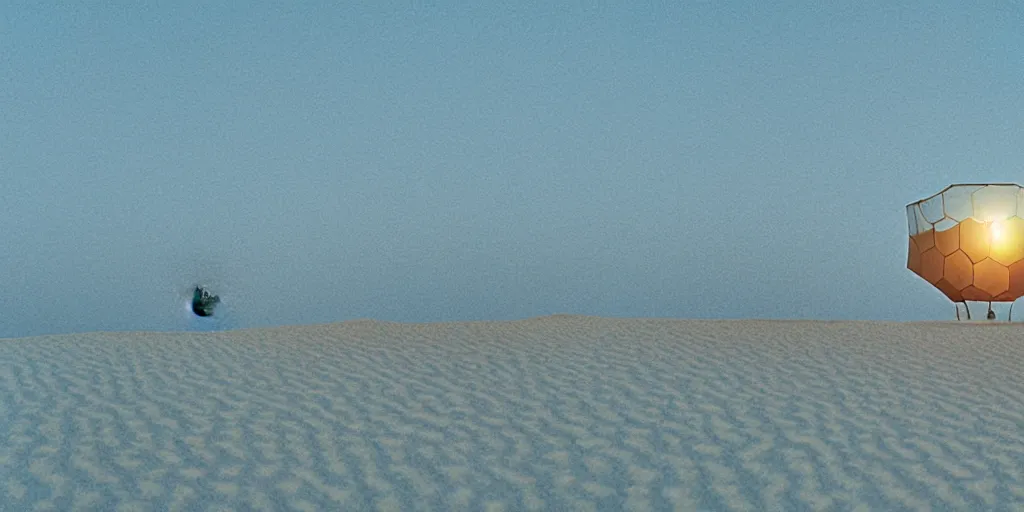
553 413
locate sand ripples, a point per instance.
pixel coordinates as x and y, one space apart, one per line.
554 413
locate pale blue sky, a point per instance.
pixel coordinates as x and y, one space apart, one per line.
447 161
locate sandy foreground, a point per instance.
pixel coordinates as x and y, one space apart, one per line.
552 413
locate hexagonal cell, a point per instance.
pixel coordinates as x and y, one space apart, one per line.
925 240
1016 272
948 241
974 293
932 209
913 257
945 223
912 220
922 223
991 277
958 270
931 265
995 202
1007 246
949 290
957 203
974 239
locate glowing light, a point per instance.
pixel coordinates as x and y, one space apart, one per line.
998 233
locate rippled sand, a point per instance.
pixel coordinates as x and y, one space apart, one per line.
553 413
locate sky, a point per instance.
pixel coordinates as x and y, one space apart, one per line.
448 161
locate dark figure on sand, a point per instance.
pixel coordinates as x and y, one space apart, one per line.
203 302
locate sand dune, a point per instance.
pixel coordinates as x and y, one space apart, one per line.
552 413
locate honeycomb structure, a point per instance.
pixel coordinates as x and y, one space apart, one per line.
968 241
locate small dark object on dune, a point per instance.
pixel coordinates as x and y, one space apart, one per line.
203 303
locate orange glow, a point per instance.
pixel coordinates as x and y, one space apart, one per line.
968 241
962 267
